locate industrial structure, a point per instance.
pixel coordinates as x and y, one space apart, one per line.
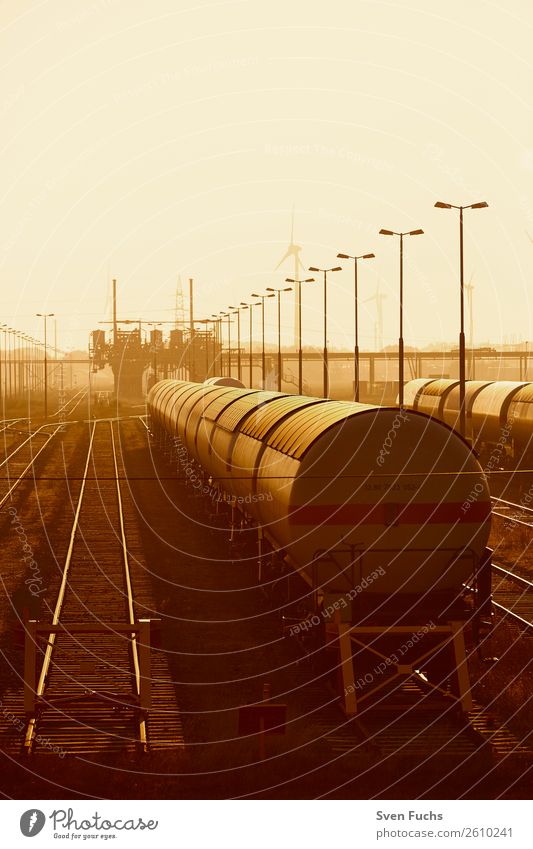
138 362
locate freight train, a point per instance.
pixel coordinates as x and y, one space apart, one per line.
499 415
367 505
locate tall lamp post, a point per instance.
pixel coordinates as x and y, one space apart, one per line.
228 316
154 344
19 375
400 341
217 322
3 371
34 356
45 315
325 272
220 356
356 322
263 298
3 374
250 343
205 322
24 362
14 355
9 384
462 350
278 292
237 312
298 284
7 363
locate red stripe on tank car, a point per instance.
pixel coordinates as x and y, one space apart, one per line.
389 514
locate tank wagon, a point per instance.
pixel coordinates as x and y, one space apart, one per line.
499 414
365 503
224 381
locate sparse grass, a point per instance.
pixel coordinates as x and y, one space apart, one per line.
513 545
505 685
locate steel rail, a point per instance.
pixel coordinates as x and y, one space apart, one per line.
522 582
10 422
506 573
511 504
39 432
127 575
59 602
55 626
511 576
82 392
516 507
7 423
22 476
511 613
25 442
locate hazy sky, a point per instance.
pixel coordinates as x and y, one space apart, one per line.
146 138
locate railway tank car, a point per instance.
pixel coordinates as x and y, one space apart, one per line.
499 414
224 381
367 503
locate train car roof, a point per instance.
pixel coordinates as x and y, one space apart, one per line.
413 388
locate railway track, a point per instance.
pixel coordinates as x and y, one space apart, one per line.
12 432
89 683
517 513
15 467
19 459
512 596
88 693
6 424
513 592
72 404
89 687
9 426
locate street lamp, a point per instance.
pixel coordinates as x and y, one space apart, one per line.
4 366
12 368
250 343
8 382
23 364
36 346
45 315
263 297
325 272
278 292
19 375
228 316
13 361
205 322
400 341
462 353
356 322
153 345
217 322
299 302
237 312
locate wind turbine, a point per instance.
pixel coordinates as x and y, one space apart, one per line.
378 297
294 251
